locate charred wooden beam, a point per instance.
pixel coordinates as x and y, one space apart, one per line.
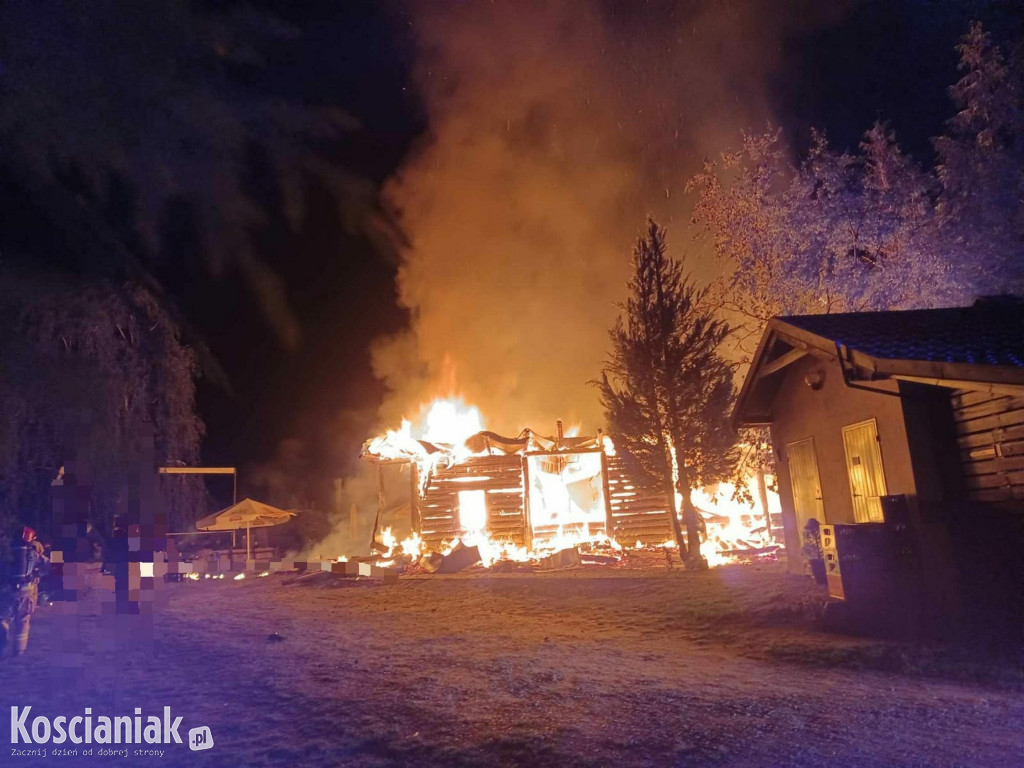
414 496
527 520
380 506
609 523
567 452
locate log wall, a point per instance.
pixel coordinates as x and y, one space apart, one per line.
990 437
501 479
639 510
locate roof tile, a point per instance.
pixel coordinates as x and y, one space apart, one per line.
991 332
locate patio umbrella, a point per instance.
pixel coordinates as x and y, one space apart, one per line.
245 514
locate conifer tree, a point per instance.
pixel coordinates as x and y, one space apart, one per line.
665 388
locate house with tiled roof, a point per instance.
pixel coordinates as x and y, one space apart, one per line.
908 420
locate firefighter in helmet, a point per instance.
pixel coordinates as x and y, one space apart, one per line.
30 562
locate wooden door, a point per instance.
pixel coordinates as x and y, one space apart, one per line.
864 467
803 473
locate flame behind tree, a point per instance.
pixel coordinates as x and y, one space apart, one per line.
665 389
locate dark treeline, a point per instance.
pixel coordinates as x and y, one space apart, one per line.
834 230
160 168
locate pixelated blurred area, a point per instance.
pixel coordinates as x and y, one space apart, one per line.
132 554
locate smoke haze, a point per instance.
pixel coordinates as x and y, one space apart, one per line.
554 129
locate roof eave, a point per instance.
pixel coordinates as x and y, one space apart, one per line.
987 374
777 329
738 417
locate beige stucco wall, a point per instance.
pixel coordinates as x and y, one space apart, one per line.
799 412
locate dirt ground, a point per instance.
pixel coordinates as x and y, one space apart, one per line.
593 667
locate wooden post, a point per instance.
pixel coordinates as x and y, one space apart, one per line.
609 521
527 523
380 505
414 497
762 492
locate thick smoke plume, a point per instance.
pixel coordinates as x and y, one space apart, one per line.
555 128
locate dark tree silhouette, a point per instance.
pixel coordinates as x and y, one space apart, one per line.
87 367
981 165
666 390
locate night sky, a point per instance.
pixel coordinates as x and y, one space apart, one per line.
270 234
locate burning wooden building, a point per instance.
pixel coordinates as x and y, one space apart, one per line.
523 490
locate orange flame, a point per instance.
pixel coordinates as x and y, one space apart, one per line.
450 422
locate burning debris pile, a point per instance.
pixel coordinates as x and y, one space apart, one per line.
466 497
475 551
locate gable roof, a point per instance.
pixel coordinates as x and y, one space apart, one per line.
976 347
978 335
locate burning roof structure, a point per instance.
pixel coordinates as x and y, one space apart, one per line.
523 494
523 490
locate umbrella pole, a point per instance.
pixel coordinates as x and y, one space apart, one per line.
231 554
248 548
